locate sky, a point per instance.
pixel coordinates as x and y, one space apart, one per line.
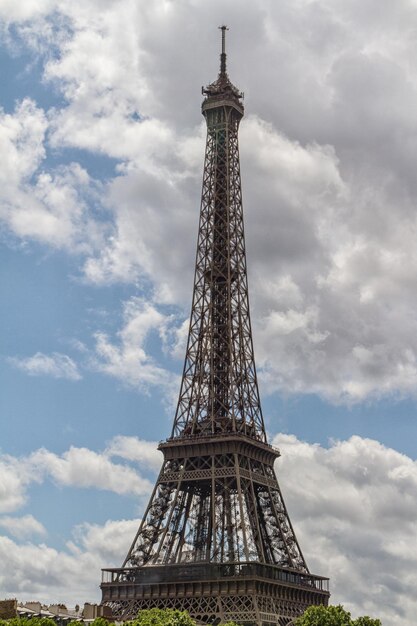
101 148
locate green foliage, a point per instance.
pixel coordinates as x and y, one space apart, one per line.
163 617
324 616
313 616
332 616
28 621
99 621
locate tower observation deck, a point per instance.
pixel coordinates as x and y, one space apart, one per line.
216 538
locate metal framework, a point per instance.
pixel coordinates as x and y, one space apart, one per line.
216 538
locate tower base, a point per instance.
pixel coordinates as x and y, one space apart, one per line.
250 593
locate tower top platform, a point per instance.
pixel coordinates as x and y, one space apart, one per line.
222 89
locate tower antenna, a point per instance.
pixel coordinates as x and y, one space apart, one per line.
223 53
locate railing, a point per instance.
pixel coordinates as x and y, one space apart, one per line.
213 571
208 435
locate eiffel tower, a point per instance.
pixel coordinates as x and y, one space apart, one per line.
216 539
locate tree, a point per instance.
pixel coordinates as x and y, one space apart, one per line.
28 621
324 616
98 621
332 616
162 617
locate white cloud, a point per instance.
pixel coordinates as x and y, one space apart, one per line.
353 507
22 136
51 206
56 365
128 359
155 205
81 467
323 293
22 527
73 575
329 184
329 193
109 542
12 487
134 449
78 468
20 11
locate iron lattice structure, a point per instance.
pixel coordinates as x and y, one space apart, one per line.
216 538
